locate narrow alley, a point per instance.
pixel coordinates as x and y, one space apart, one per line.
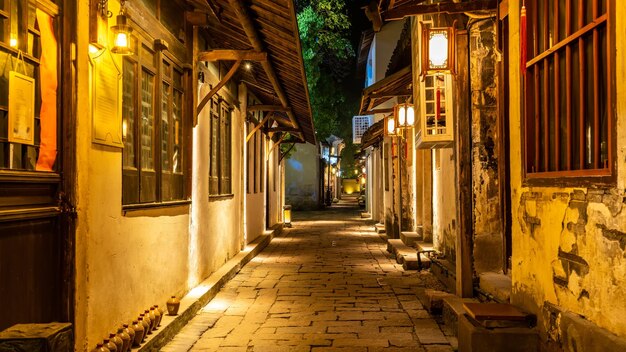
327 284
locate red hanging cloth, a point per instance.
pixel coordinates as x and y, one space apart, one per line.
523 38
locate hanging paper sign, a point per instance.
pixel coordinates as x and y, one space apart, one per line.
21 108
107 119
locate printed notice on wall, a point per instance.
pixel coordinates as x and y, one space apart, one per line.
107 120
21 109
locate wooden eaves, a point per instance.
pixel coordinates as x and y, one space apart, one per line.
264 35
396 85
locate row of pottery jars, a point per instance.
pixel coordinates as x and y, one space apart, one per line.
134 335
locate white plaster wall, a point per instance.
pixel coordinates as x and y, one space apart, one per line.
274 206
302 177
384 44
127 262
444 202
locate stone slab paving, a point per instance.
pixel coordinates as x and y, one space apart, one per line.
327 284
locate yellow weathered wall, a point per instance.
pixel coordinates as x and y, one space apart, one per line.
588 223
127 263
351 186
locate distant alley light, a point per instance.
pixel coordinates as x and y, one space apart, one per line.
248 66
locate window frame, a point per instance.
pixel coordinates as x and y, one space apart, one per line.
220 148
153 189
576 175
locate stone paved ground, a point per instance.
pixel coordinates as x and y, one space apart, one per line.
327 284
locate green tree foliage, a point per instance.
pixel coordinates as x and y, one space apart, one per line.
328 54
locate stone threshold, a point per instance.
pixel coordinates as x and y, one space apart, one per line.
199 296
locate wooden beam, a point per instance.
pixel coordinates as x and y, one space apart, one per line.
206 6
378 111
216 55
275 145
282 155
197 18
279 108
257 127
412 9
281 129
255 39
373 14
215 89
463 176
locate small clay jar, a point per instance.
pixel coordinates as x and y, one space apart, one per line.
100 348
157 314
162 311
146 318
155 320
139 332
172 305
122 335
146 326
131 332
110 345
117 341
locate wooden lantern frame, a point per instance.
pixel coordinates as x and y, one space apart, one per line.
427 34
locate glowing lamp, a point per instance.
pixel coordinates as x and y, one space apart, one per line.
364 169
362 180
121 32
438 50
390 123
405 115
287 215
13 42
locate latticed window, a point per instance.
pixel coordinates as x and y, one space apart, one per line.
220 164
568 94
153 125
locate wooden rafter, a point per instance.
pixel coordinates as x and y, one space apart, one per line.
415 8
281 129
207 6
255 39
215 89
279 108
378 111
215 55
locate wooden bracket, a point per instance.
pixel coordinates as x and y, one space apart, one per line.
215 89
257 127
215 55
275 145
282 156
281 129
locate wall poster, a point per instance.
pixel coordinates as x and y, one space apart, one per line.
107 117
21 108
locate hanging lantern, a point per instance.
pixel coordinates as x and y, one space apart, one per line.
390 125
405 115
121 32
438 50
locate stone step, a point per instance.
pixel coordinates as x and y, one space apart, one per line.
474 337
451 311
383 236
379 228
365 215
410 238
496 284
498 315
407 256
432 300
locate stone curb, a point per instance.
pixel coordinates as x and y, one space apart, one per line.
199 296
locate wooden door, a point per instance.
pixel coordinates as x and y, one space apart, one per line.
36 254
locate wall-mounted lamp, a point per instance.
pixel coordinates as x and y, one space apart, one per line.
438 49
403 117
364 169
121 32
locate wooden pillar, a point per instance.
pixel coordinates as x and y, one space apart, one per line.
427 194
463 159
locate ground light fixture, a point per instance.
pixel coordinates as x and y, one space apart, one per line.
121 32
287 215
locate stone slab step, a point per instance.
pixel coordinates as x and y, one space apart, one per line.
410 238
498 315
451 311
498 285
407 256
365 215
383 236
473 337
432 300
379 228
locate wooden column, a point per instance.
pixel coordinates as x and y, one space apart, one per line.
463 159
